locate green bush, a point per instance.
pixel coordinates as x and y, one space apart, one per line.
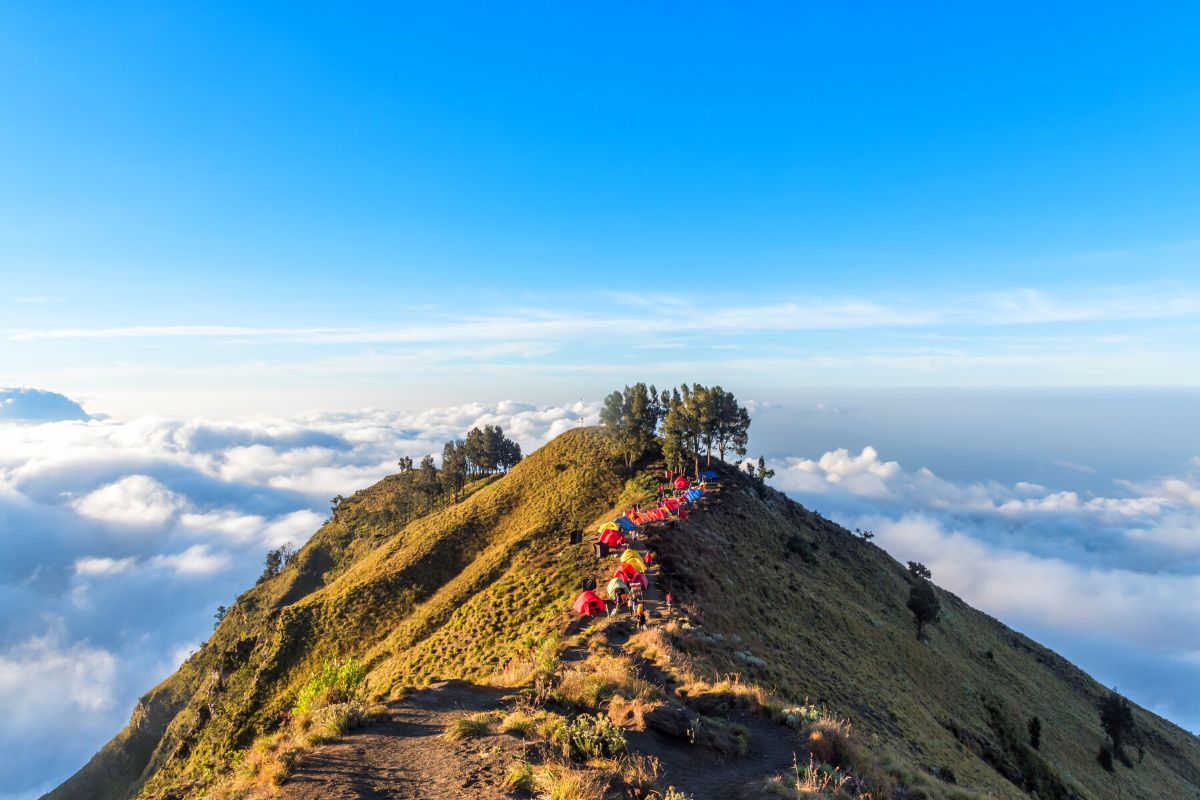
594 736
336 682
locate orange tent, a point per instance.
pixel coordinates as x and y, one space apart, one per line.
589 604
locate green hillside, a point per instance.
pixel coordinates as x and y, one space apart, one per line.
775 594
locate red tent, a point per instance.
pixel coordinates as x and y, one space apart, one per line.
613 539
626 573
681 482
640 579
671 504
589 604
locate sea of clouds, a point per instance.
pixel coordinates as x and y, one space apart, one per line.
118 540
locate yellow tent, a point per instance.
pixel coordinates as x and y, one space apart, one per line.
631 558
609 526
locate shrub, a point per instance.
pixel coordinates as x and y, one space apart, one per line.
1105 756
798 717
828 740
594 736
336 682
468 727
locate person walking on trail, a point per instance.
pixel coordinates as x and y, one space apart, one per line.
670 598
641 617
660 493
649 557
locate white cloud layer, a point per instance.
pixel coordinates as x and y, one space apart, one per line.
120 539
1117 571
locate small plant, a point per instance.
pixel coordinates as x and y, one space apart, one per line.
518 723
1105 756
674 794
640 774
1035 733
593 736
336 682
468 727
828 739
519 777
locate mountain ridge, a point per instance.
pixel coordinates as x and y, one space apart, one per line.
780 596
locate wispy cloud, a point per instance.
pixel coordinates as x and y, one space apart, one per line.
1016 307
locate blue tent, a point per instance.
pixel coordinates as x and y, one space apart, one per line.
694 494
626 524
709 475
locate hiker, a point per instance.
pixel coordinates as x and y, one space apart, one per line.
670 598
641 617
649 557
660 493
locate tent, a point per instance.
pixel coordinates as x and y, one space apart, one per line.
709 475
608 526
671 504
640 579
589 604
617 585
681 482
627 524
634 560
612 538
627 573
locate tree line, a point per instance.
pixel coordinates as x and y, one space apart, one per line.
688 423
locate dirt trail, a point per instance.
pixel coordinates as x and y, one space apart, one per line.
701 773
406 758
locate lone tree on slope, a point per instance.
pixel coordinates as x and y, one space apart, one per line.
1116 717
923 603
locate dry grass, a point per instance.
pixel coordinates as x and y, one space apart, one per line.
829 741
519 777
471 726
562 782
600 678
640 775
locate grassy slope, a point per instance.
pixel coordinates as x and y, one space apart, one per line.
833 627
454 594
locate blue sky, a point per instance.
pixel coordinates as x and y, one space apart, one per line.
979 196
949 254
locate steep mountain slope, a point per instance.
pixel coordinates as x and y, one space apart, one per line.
826 612
781 596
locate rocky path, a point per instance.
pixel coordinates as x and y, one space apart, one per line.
406 758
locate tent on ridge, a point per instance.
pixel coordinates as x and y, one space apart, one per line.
627 573
608 526
616 585
634 560
709 475
671 504
612 538
681 482
589 604
627 524
640 579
